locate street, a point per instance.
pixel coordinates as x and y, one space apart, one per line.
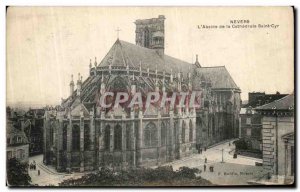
48 175
232 171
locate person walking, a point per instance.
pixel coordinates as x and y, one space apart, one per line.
204 167
205 160
39 172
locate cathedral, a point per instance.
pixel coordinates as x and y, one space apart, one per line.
81 135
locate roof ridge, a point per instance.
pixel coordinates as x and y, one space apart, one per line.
213 67
260 107
154 51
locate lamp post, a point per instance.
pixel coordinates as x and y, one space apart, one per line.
222 156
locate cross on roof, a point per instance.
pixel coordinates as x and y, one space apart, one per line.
118 30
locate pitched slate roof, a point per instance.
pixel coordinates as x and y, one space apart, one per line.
123 53
12 132
284 103
218 76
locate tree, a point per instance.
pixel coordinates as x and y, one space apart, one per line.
17 173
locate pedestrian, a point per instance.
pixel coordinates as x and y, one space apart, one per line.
204 167
204 148
39 172
201 151
229 144
205 160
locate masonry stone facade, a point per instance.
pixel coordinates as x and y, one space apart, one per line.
80 135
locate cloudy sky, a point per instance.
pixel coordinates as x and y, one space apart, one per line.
45 45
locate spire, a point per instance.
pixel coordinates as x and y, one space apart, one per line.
72 82
102 86
71 85
78 78
197 62
118 31
95 62
79 84
90 63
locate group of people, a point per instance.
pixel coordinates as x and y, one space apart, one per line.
32 166
199 149
211 167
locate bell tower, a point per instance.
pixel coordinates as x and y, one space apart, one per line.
150 33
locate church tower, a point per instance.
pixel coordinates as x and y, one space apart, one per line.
150 33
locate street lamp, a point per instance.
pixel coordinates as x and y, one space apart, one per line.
222 155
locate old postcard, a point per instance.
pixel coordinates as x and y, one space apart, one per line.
150 96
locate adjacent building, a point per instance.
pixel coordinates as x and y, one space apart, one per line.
31 122
33 126
17 145
278 129
251 121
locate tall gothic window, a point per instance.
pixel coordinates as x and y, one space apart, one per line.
51 133
118 137
128 137
183 132
163 134
146 37
76 138
150 134
65 130
87 141
107 137
191 131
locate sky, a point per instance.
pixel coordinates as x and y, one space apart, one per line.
45 45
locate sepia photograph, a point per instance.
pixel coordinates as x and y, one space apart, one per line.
150 96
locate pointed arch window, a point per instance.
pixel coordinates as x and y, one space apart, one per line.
118 137
87 141
163 134
65 130
183 133
146 37
107 138
191 131
76 138
128 137
150 135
